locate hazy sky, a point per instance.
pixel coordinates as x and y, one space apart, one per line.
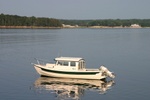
78 9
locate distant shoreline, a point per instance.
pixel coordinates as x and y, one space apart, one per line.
42 27
28 27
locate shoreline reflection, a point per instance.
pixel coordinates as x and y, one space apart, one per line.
71 88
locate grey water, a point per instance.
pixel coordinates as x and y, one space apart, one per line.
126 52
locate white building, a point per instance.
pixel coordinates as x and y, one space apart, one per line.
69 26
135 26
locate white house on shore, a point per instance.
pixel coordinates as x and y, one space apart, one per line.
69 26
135 26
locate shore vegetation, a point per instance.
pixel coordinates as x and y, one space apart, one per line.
15 21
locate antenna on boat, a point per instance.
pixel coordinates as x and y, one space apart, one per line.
59 53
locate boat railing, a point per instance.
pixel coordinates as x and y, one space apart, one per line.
42 62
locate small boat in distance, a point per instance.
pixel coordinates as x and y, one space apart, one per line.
71 67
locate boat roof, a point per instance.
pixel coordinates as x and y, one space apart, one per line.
68 58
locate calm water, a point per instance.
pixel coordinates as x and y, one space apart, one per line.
126 52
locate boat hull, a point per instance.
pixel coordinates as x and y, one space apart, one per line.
44 71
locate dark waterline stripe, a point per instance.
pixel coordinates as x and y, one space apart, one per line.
64 72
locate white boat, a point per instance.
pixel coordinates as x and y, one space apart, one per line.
71 67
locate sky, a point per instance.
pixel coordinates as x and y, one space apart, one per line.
78 9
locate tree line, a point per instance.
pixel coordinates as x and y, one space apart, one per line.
15 20
119 22
109 22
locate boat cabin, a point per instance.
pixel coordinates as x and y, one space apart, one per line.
70 63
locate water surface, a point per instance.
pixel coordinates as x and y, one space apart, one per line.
123 51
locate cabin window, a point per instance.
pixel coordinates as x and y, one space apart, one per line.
63 63
60 63
81 64
73 63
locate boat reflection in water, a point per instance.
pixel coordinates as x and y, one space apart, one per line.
71 88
